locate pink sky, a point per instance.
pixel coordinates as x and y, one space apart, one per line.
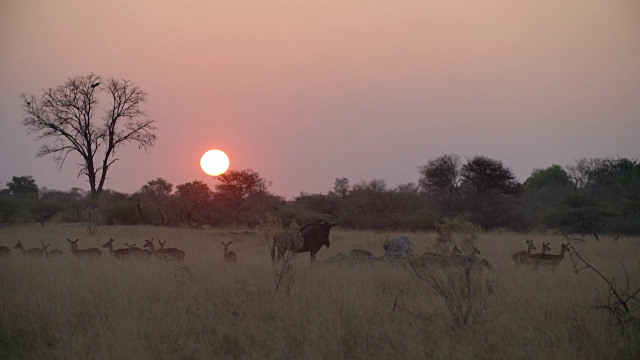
306 91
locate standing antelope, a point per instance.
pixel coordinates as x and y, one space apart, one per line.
31 252
84 253
522 257
549 259
52 253
4 251
123 254
229 256
171 254
545 247
464 259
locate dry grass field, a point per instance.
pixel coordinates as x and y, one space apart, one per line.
67 308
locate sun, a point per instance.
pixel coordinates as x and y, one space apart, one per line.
214 162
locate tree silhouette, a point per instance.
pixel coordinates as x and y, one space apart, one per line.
23 186
68 115
482 174
237 185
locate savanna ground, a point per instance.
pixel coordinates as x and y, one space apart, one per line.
68 308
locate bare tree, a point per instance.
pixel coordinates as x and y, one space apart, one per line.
69 115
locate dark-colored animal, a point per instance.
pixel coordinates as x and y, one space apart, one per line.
229 256
128 253
312 238
170 254
31 252
4 251
52 253
84 253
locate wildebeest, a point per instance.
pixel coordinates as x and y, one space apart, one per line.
312 238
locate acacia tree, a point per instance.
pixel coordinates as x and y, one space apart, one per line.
156 198
191 202
242 197
482 174
237 185
490 193
69 115
23 186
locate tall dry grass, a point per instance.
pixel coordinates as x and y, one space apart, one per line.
74 309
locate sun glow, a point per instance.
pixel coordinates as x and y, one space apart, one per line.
214 162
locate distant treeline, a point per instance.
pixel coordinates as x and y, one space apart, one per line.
591 197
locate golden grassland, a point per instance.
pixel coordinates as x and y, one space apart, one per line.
68 308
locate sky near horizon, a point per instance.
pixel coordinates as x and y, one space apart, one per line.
307 91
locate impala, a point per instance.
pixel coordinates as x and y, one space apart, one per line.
31 252
549 259
171 254
131 252
52 253
546 247
229 256
84 253
522 257
469 260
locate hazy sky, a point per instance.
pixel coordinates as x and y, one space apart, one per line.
306 91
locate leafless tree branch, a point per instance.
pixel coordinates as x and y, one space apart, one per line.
66 115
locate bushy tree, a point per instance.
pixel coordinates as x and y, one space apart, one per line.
23 187
552 177
614 184
341 187
237 185
440 179
481 175
544 191
191 202
157 189
154 202
238 189
490 192
19 201
580 214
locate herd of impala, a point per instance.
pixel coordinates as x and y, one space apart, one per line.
526 258
522 258
131 252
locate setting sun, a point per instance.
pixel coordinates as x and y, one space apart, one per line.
214 162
